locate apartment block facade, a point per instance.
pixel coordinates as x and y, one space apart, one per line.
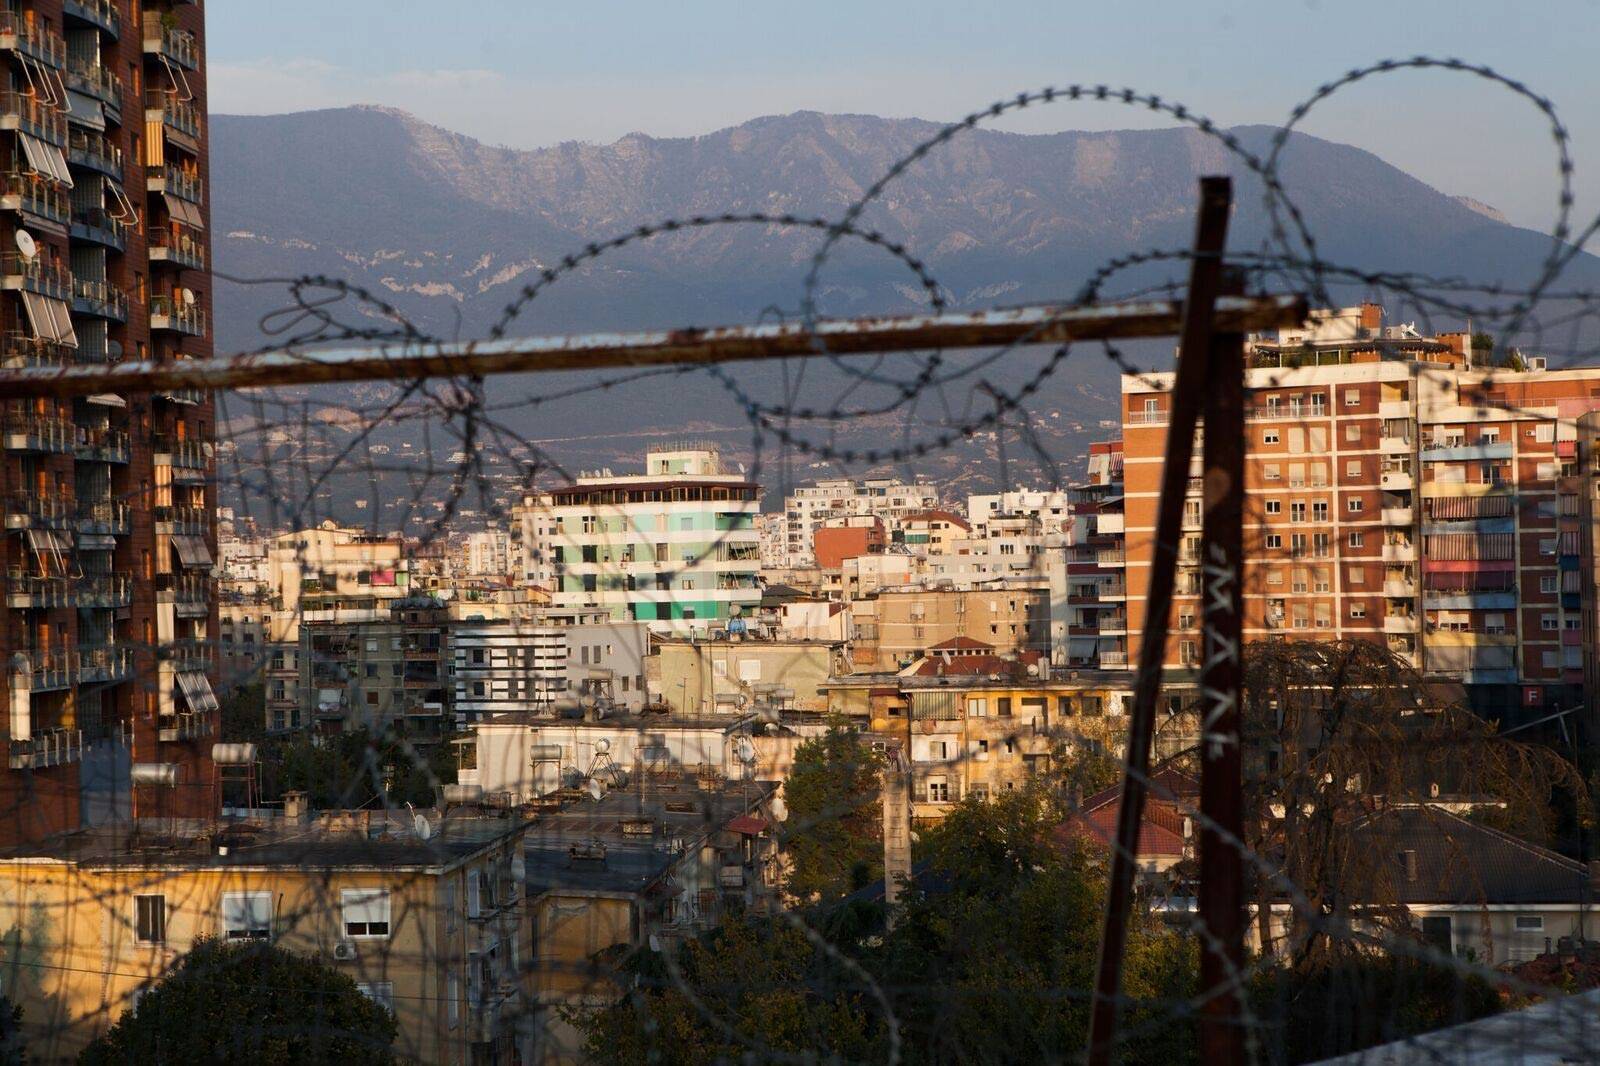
109 499
810 507
1401 489
675 547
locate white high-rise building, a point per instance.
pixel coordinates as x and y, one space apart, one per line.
676 546
1020 512
810 507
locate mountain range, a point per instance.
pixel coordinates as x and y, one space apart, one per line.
448 230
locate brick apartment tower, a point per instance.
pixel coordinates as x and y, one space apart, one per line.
109 500
1402 488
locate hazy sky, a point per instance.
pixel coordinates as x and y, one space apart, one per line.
527 73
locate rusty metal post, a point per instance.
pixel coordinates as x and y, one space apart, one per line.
1189 386
1221 683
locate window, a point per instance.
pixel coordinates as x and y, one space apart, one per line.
453 999
1003 706
1271 472
1319 511
1358 575
1274 540
1547 582
1544 433
938 790
1355 504
1352 398
982 751
1269 436
1274 506
1297 544
449 903
1356 539
977 707
1352 469
1549 623
1530 923
1358 610
380 992
150 919
1297 511
246 915
1188 652
1352 433
474 894
366 912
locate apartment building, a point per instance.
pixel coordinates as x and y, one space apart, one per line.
1088 592
896 626
675 547
432 926
487 553
1401 489
810 507
526 667
1019 512
108 499
333 574
386 674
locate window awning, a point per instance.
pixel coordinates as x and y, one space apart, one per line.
86 110
192 551
52 548
106 399
45 158
183 211
197 691
96 542
50 318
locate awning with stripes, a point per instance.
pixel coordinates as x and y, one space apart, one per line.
197 691
45 158
183 211
50 318
192 551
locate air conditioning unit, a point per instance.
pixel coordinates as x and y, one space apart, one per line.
345 950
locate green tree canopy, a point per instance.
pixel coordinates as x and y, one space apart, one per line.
249 1002
834 834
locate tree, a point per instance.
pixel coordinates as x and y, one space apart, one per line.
243 716
834 833
249 1002
990 960
1336 734
12 1050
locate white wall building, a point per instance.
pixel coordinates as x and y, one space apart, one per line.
810 507
1019 512
675 547
488 553
512 667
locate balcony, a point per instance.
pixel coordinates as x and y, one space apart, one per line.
1469 600
1399 553
100 299
177 182
1436 453
37 274
107 518
1393 445
19 111
1399 588
47 670
104 663
1399 623
95 226
101 14
19 351
100 444
169 314
54 435
169 41
189 593
51 747
1148 418
184 726
1397 516
179 245
1112 624
1113 660
190 521
1110 558
27 511
187 655
187 458
97 83
180 119
1395 480
105 591
35 197
32 38
93 151
28 591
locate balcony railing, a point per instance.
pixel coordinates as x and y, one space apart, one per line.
102 444
179 245
95 224
105 663
177 45
35 196
105 590
18 350
187 655
99 298
107 518
37 592
186 520
24 510
183 588
19 111
1112 623
170 314
51 747
32 39
102 13
185 453
95 151
1113 660
177 115
175 181
36 274
40 435
47 670
185 725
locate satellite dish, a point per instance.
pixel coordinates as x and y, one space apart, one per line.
596 790
423 827
188 297
26 244
780 809
602 745
655 944
744 751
